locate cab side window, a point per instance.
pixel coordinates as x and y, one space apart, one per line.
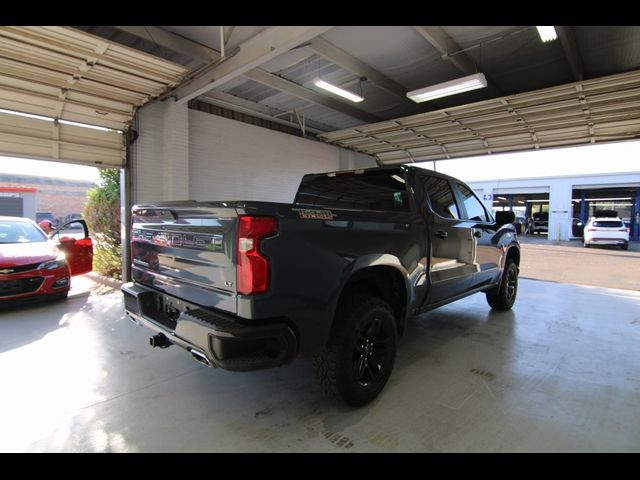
474 207
440 196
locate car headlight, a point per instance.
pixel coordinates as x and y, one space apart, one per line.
60 261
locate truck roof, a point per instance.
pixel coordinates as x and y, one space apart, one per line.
386 168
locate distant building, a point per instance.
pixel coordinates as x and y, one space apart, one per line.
567 199
38 197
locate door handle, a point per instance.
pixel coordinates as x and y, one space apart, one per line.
441 234
477 233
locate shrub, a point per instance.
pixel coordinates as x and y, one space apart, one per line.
102 213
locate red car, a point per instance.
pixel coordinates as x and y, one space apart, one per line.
36 267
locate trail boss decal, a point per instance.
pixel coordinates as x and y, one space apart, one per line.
315 214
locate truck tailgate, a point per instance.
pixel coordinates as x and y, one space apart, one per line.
187 252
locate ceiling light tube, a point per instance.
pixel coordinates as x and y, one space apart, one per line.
337 90
445 89
547 33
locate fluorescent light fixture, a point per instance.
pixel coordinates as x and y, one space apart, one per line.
86 125
28 115
445 89
337 90
547 33
51 119
502 198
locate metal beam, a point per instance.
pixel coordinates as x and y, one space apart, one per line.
197 51
299 91
446 45
262 111
227 34
173 42
570 47
257 50
348 62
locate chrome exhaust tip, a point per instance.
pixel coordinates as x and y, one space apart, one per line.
200 357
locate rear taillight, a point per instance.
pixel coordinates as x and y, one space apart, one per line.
592 229
626 230
253 267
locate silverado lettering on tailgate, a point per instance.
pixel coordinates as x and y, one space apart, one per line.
198 241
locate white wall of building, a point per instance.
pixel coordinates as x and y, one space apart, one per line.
187 154
231 160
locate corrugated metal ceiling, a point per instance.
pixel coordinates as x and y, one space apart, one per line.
514 59
590 111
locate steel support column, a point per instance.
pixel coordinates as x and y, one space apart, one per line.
583 207
635 219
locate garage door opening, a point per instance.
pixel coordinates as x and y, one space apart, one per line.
59 194
531 210
624 201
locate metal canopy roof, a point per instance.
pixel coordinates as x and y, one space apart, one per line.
530 101
60 74
590 111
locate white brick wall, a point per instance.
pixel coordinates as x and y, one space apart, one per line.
187 154
176 151
161 168
231 160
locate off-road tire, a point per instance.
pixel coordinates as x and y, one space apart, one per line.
359 356
503 297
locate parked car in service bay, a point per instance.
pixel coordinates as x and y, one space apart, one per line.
539 223
606 231
34 266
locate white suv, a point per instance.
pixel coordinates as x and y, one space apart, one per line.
606 231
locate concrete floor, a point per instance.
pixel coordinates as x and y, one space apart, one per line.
561 372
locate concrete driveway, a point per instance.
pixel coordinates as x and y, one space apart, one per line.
570 262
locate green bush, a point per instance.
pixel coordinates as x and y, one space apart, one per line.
102 213
107 261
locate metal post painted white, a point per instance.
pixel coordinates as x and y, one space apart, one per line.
560 209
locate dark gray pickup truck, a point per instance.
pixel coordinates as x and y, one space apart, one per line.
338 273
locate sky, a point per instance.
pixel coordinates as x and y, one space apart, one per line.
601 158
68 171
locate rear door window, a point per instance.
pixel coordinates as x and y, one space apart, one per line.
608 224
440 196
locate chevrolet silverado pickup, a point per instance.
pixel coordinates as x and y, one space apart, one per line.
244 285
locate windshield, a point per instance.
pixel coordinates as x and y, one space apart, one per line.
20 232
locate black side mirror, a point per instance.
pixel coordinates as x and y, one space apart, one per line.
502 218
